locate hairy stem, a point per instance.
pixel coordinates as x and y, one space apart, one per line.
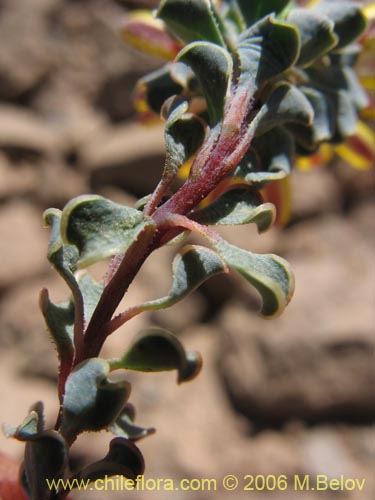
131 263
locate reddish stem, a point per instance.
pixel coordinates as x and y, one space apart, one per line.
219 155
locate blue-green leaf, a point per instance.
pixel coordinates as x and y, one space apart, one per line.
253 10
286 104
156 349
60 322
213 68
348 18
271 275
100 228
316 34
237 206
184 134
123 459
32 424
125 427
269 158
265 50
91 292
91 401
155 88
323 126
46 453
191 20
46 458
63 257
192 266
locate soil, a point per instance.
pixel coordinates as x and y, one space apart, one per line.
291 396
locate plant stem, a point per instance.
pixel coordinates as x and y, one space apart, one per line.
218 156
112 294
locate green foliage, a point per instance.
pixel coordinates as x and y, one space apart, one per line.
82 219
92 401
46 453
155 350
275 79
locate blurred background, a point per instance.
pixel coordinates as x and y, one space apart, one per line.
295 395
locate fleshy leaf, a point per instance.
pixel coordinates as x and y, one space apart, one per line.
316 34
184 134
339 77
237 206
269 158
254 10
46 453
349 21
46 458
63 257
233 18
91 292
125 427
32 425
156 349
123 459
271 275
323 126
192 20
192 266
286 104
91 401
100 228
153 90
265 50
60 322
213 67
345 114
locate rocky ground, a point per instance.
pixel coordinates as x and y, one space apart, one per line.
290 396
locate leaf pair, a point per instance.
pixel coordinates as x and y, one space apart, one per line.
46 458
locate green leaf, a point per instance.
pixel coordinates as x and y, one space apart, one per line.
91 292
341 78
60 322
63 257
125 427
32 425
213 67
191 20
192 266
347 56
269 158
316 34
155 88
286 104
266 50
233 18
237 206
271 275
184 134
349 21
46 453
123 459
323 126
252 10
91 401
345 114
46 458
100 228
156 349
352 84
